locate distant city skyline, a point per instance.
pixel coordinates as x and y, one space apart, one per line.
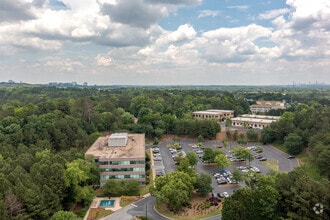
182 42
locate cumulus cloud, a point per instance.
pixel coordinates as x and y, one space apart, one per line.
208 13
273 13
59 63
138 44
183 33
103 60
232 44
305 31
239 7
16 10
105 22
176 2
142 13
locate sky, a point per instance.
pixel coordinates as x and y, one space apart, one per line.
165 42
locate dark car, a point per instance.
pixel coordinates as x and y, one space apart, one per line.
290 157
220 195
263 159
258 156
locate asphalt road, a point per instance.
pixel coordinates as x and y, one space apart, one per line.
140 208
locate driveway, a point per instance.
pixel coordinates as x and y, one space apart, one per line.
140 208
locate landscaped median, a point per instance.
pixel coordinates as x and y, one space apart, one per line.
271 164
199 208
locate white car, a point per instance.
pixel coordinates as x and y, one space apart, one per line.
255 169
225 194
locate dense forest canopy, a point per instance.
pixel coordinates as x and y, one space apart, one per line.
44 132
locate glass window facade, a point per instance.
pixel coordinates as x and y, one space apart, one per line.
123 176
137 169
124 162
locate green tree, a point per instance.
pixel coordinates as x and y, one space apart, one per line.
203 184
222 161
252 135
225 144
293 143
192 157
237 175
228 122
112 188
253 203
208 155
200 138
130 187
242 152
321 154
184 166
76 177
64 215
299 193
174 189
228 134
235 135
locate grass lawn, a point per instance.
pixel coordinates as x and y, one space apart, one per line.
98 213
280 147
271 164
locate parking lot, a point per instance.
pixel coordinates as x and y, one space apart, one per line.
275 159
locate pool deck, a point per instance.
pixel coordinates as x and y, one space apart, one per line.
96 203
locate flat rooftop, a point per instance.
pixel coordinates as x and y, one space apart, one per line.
135 148
261 117
256 120
213 111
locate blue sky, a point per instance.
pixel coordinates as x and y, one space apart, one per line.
165 42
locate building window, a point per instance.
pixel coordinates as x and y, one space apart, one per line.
137 162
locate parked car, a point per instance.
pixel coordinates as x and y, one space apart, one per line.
258 156
263 159
172 150
155 150
255 169
225 194
157 159
290 157
221 180
241 168
220 195
160 173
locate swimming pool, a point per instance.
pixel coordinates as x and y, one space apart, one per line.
107 203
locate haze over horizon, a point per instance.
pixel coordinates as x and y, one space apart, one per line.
181 42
